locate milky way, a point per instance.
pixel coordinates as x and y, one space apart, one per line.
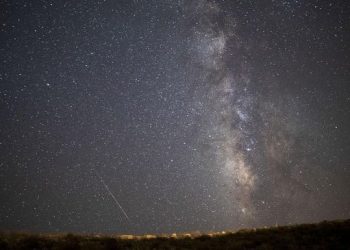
164 116
227 103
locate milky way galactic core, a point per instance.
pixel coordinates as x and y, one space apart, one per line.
172 116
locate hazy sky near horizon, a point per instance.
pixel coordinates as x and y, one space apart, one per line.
161 116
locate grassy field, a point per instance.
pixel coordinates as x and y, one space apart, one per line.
324 235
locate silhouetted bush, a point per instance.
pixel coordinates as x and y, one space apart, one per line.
70 242
3 245
29 243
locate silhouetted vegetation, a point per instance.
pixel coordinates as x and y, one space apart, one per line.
325 235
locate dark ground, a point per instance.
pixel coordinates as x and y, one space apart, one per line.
324 235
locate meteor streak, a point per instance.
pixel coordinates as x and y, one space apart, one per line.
111 194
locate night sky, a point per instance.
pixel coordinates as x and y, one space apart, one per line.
169 116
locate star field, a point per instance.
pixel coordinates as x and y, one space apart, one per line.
164 116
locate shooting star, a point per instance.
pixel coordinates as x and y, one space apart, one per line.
111 194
